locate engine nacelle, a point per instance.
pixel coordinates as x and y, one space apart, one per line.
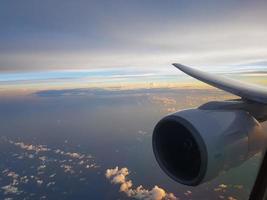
193 146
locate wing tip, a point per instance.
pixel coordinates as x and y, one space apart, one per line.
179 66
176 64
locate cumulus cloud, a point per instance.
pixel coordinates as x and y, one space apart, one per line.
85 160
39 182
10 189
30 147
120 176
67 168
41 167
74 155
45 162
50 184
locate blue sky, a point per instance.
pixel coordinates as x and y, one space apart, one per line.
82 35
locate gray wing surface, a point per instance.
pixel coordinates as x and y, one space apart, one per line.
247 91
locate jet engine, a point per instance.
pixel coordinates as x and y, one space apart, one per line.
194 146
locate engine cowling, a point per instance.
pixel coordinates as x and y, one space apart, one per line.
193 146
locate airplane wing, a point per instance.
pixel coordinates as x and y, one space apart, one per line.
246 91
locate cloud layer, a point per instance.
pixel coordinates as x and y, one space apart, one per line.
52 168
102 34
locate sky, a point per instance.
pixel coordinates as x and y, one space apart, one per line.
83 35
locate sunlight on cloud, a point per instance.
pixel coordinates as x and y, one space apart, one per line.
120 176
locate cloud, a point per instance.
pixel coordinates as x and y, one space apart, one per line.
9 189
76 165
81 35
67 168
120 176
30 147
68 161
12 188
74 155
50 184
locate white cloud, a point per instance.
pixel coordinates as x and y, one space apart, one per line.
30 147
120 176
10 189
50 184
74 155
67 168
39 182
41 167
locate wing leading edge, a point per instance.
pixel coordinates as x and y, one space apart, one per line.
247 91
